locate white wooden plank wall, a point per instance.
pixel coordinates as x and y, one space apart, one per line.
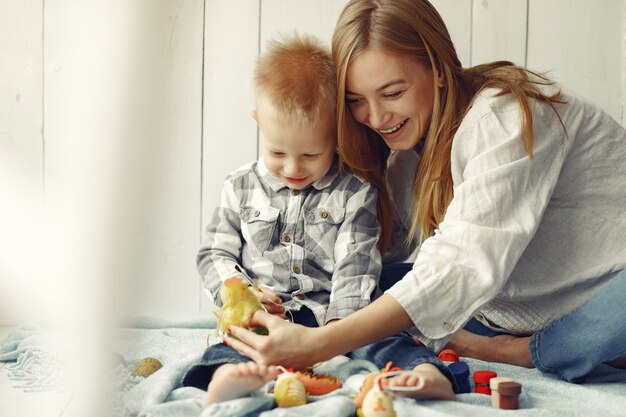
145 108
21 151
158 66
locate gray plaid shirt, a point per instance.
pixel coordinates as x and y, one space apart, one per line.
316 247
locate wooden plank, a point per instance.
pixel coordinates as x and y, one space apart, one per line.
319 18
123 113
457 14
283 17
499 31
79 140
229 132
161 73
583 49
21 154
624 66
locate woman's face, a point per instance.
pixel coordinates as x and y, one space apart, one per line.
391 94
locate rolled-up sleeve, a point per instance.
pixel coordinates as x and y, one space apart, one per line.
499 197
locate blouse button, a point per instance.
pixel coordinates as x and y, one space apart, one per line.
257 213
447 327
295 192
323 214
295 270
286 238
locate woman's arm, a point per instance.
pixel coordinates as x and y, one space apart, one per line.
297 346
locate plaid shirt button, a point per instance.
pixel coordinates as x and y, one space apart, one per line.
295 192
286 238
295 270
323 214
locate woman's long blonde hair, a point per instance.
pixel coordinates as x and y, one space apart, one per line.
415 28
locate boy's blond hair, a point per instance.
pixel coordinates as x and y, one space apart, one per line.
297 76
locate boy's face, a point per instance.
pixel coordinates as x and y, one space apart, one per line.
298 155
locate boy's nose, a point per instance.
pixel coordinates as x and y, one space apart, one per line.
292 168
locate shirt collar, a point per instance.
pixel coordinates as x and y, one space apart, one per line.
276 184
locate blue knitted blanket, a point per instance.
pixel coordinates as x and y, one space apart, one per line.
40 359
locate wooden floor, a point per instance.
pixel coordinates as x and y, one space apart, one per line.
14 402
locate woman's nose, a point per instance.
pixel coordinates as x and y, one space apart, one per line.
378 116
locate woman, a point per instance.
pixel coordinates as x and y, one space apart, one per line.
516 201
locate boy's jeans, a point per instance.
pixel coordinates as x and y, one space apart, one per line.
574 345
400 349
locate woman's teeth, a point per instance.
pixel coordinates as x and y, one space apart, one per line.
393 129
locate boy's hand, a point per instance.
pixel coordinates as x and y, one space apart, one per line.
270 300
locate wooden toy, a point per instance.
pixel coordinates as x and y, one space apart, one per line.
448 355
368 383
289 391
147 367
481 381
318 384
460 372
239 305
495 395
509 392
377 402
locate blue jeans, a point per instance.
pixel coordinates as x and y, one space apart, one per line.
571 347
590 335
400 349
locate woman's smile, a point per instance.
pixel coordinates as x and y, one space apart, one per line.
393 129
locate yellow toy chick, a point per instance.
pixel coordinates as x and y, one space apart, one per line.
372 400
239 305
289 391
377 403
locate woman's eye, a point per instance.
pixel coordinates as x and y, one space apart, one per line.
351 101
310 156
394 94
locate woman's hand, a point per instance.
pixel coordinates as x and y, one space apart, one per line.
296 346
270 300
288 344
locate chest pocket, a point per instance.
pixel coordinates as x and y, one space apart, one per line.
320 229
259 226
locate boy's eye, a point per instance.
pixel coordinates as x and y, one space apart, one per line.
277 154
310 155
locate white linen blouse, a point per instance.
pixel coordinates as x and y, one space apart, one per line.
524 241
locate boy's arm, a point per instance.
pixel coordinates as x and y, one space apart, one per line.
357 257
221 246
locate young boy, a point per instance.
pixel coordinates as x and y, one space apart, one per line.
307 233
